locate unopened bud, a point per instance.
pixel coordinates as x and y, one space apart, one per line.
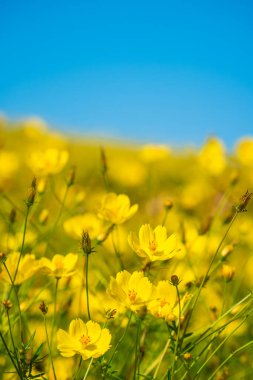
174 280
168 204
244 200
43 308
86 243
3 257
110 313
43 218
71 176
227 250
12 216
187 356
41 186
228 272
7 304
31 193
104 166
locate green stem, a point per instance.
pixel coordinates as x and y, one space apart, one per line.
246 345
159 360
22 248
12 341
117 253
221 344
88 369
137 350
54 313
87 285
178 333
121 339
78 368
10 356
49 347
207 273
57 218
16 294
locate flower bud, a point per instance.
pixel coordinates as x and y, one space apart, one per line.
12 216
174 280
86 243
71 176
31 193
7 304
168 204
228 272
244 200
43 308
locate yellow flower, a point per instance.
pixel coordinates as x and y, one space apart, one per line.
133 291
60 266
153 244
152 153
27 267
212 156
244 151
165 303
47 162
75 225
86 339
116 208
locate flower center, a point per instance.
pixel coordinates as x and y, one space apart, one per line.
152 245
132 294
85 339
163 302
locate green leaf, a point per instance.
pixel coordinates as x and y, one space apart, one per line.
37 353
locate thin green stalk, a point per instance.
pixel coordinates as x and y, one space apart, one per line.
10 356
137 350
16 294
117 253
78 367
22 247
121 339
12 340
54 312
87 285
88 369
165 216
52 232
178 333
221 344
246 345
49 347
158 361
203 335
208 271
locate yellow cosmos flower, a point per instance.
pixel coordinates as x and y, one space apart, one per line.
153 244
244 151
133 291
152 153
60 266
165 304
212 156
116 208
47 162
27 267
86 339
75 225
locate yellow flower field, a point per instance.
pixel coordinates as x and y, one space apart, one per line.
124 261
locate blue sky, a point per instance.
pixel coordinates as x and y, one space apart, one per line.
152 71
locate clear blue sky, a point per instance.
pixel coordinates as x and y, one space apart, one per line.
160 71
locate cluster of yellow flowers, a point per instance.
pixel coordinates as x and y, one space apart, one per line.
124 252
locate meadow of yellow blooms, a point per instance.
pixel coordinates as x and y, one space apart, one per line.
124 261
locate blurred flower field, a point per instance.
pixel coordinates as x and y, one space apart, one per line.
124 261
